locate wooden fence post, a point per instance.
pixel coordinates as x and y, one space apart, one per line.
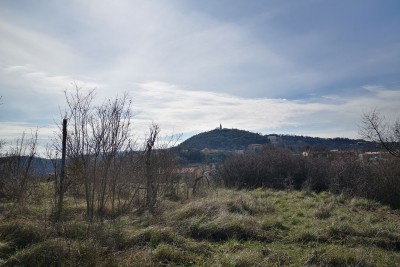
61 188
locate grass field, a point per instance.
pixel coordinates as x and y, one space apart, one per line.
220 228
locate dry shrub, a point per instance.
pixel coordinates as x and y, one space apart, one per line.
272 167
386 182
279 168
318 179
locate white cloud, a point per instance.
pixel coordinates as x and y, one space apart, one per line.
210 70
136 41
185 111
22 46
34 95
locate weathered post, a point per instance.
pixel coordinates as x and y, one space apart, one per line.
61 185
149 177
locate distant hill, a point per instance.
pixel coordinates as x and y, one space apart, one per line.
232 139
224 139
39 166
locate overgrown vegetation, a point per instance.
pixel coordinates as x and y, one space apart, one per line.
280 169
223 227
17 172
271 167
299 143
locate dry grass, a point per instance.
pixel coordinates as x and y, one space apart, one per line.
223 228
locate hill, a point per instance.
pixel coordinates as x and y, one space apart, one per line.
224 139
232 139
39 166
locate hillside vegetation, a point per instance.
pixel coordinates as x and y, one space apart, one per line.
222 227
222 143
300 143
229 139
225 139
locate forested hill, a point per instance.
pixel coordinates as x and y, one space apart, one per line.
230 139
224 139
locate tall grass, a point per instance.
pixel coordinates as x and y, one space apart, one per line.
224 227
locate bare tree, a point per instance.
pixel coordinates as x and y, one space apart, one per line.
103 159
376 128
17 170
127 179
160 168
150 179
110 127
97 137
79 147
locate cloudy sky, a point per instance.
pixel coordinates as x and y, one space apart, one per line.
304 67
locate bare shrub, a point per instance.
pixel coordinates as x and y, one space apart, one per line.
17 171
317 173
375 127
272 167
385 182
159 168
96 137
104 163
378 180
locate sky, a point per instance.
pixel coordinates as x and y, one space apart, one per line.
303 67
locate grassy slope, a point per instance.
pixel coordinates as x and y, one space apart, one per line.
222 228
